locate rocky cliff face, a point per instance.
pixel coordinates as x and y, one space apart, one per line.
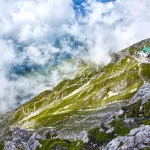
138 138
98 108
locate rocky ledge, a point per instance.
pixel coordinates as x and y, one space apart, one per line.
137 139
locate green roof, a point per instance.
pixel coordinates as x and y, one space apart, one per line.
146 49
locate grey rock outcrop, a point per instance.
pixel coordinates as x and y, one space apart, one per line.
110 130
84 136
33 141
137 47
143 93
22 139
10 146
138 138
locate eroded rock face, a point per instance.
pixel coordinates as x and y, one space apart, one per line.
20 134
143 93
33 141
138 138
22 139
84 136
10 146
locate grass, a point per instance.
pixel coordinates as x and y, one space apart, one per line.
147 109
145 71
134 109
121 128
99 137
1 146
61 144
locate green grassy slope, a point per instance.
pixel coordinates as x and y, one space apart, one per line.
89 91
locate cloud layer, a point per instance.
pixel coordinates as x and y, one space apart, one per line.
35 35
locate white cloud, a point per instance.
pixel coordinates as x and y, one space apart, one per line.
113 26
48 27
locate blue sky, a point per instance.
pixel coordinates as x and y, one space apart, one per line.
78 2
80 9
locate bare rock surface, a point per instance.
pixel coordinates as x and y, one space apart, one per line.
22 139
138 138
143 93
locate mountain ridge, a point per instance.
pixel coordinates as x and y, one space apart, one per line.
85 102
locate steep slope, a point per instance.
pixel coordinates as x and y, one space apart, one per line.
80 96
88 99
89 90
126 129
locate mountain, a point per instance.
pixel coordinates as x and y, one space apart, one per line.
99 107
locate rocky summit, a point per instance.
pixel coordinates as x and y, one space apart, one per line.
96 108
